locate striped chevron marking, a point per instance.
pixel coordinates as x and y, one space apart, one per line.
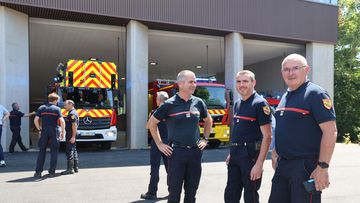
217 111
108 68
92 68
94 113
77 67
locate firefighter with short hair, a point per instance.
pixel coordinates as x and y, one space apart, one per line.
71 124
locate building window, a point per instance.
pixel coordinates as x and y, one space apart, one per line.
333 2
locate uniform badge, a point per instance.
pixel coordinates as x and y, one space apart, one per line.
72 117
188 115
266 110
327 103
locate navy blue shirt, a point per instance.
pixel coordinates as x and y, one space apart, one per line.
15 118
162 128
182 119
249 115
298 115
49 115
71 118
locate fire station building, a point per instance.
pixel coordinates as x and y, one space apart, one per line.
151 39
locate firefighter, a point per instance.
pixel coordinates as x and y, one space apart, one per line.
305 136
250 140
71 124
15 126
183 113
50 114
155 154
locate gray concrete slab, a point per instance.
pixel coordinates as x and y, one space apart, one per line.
122 175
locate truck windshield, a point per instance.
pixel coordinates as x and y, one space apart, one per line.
87 98
214 97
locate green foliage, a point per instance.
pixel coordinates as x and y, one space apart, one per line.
347 70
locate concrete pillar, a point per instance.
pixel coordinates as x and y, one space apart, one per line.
136 84
234 60
320 58
14 68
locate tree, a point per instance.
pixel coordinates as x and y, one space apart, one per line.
347 69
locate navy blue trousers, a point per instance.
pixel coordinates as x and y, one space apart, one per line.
239 168
70 150
155 159
184 169
1 149
16 138
287 183
48 135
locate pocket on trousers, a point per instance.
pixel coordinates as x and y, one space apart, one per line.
309 165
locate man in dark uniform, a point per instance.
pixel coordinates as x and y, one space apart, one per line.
305 136
49 114
183 113
71 124
15 126
250 140
155 153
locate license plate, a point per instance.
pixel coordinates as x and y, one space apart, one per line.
87 134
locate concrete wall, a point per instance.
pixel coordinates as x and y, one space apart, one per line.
320 57
14 68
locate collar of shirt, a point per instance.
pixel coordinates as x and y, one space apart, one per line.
303 86
182 100
250 98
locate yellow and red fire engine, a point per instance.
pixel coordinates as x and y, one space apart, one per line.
216 97
93 86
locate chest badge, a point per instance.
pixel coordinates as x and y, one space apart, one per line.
188 115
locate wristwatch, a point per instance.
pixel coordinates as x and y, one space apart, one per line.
323 165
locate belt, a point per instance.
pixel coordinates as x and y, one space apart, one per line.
297 158
183 146
243 144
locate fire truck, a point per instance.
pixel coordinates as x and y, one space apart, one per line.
93 86
216 97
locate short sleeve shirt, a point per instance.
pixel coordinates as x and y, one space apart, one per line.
298 115
71 118
49 115
3 111
15 118
182 119
249 115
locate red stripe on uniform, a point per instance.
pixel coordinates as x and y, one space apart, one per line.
175 114
52 114
245 118
305 112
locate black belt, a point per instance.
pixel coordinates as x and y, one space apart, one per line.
242 144
298 158
184 146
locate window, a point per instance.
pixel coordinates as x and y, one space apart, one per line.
333 2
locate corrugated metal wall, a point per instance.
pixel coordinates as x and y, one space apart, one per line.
290 19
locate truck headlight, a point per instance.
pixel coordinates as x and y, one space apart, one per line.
110 133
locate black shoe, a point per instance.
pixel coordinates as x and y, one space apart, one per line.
51 175
67 172
37 175
76 166
148 196
25 150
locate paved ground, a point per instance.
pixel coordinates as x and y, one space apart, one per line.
121 175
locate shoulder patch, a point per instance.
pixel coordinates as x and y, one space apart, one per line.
72 117
327 103
266 110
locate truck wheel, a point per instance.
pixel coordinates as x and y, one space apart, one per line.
214 143
106 145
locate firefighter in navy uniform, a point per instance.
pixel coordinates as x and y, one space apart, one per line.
305 136
15 126
183 113
155 153
250 140
71 124
49 114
